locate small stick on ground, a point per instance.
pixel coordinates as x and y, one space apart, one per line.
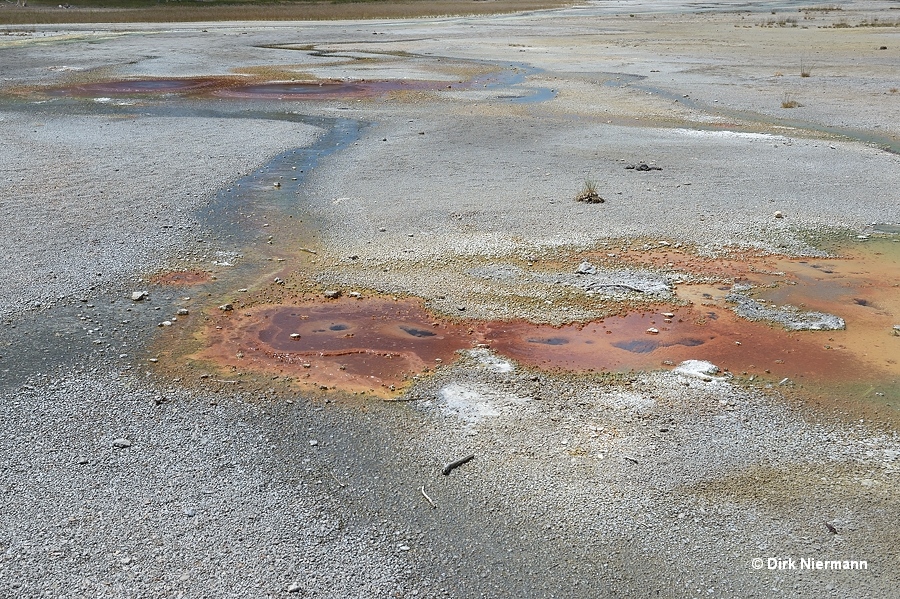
331 474
427 498
456 464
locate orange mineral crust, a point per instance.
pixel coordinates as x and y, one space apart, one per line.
354 345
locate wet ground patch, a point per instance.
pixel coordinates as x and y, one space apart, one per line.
356 345
331 90
244 88
379 345
258 83
182 278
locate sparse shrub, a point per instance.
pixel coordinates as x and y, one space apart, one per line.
588 193
876 23
787 101
805 69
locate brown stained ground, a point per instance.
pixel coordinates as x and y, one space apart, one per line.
327 90
379 344
699 333
245 87
362 346
861 285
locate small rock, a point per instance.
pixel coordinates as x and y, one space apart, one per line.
138 296
279 281
643 166
333 293
652 331
586 268
700 369
226 307
313 443
461 308
183 312
295 335
166 323
294 587
121 443
779 214
276 184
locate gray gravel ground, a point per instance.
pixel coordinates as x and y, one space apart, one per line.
199 504
120 481
91 199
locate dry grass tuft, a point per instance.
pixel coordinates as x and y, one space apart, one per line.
787 101
588 193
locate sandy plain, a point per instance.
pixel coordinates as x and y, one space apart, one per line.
133 468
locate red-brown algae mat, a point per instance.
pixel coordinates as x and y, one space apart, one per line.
380 345
244 87
371 345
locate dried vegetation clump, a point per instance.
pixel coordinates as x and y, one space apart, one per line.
588 193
